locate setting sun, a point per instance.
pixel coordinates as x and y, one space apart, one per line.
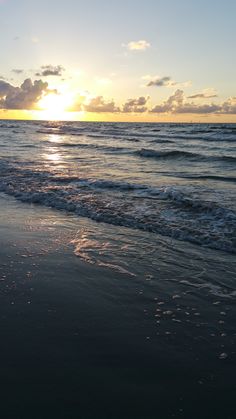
55 106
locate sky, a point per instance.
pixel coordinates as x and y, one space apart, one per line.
126 60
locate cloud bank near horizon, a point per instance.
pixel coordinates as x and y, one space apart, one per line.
27 96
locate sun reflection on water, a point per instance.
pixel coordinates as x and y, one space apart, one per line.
55 157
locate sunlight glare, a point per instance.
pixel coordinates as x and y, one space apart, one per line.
54 106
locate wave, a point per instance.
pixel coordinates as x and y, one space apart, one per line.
134 135
109 184
168 211
210 177
145 152
172 154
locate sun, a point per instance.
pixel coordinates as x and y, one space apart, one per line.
54 106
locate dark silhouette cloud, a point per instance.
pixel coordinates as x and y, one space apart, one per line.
161 81
5 88
50 70
24 97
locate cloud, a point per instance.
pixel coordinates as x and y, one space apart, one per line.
5 88
202 96
141 45
165 81
24 97
79 100
199 109
137 105
17 71
176 103
160 82
229 106
98 104
50 70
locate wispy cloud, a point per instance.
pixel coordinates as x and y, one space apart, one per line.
141 45
17 70
165 81
50 70
202 96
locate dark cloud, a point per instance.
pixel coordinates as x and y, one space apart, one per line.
5 88
229 106
98 104
17 71
174 102
50 70
177 104
137 105
199 109
160 82
24 97
202 96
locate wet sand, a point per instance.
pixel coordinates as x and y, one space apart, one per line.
76 343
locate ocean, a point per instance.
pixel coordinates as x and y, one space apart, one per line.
174 180
152 214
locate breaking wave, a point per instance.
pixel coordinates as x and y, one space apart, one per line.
168 211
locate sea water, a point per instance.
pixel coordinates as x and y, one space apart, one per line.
153 209
178 181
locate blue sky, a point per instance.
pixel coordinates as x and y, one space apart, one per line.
191 42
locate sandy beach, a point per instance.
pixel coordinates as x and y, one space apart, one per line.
80 341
